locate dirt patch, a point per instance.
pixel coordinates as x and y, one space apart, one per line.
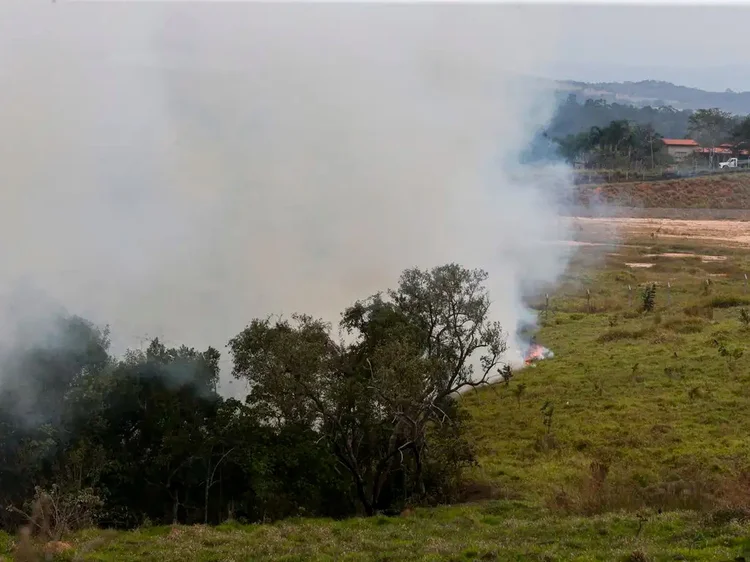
703 258
728 192
727 233
57 547
671 255
639 265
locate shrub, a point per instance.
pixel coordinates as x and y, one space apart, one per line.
689 325
745 318
701 311
649 297
623 334
728 301
638 556
53 513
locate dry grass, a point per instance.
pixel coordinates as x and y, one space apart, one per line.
722 191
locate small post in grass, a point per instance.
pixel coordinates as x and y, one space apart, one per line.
630 296
546 305
588 299
669 293
746 282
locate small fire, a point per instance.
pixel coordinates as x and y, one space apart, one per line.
536 353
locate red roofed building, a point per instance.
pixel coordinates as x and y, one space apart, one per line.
679 149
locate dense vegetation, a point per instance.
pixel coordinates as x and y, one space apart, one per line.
599 135
630 444
329 427
657 92
573 117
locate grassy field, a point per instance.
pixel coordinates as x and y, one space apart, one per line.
646 455
650 410
722 191
490 531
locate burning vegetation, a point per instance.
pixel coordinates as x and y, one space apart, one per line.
535 353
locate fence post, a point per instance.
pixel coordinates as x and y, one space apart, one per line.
588 299
546 305
630 296
746 282
669 294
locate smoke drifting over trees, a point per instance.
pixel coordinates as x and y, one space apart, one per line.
174 170
177 170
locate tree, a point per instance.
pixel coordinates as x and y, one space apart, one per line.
649 297
373 400
620 144
740 136
572 118
741 130
710 127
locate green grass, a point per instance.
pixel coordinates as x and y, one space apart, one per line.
500 530
651 430
650 398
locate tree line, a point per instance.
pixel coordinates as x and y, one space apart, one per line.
623 144
361 422
572 117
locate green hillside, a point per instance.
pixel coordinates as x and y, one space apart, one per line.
645 455
649 408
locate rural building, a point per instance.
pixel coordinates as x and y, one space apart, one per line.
719 154
679 149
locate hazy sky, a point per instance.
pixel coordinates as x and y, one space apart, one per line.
698 45
704 46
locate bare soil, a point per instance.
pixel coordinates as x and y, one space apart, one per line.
722 192
608 230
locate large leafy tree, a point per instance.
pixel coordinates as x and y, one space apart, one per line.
372 399
620 144
329 424
741 130
710 127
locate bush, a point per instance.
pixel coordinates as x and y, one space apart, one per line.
649 297
623 334
700 311
53 513
688 325
728 301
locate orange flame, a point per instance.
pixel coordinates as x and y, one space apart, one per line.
535 353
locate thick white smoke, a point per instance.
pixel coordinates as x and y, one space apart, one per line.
177 169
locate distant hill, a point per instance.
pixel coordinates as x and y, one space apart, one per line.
658 94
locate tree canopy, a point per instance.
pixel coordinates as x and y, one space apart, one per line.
330 426
598 134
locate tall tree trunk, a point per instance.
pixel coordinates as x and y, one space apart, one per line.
367 505
175 507
205 505
205 496
418 471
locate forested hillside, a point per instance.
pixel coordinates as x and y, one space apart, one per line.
659 93
573 117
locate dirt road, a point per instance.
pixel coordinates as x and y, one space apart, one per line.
724 232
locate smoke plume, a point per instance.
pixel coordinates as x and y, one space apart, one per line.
177 169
